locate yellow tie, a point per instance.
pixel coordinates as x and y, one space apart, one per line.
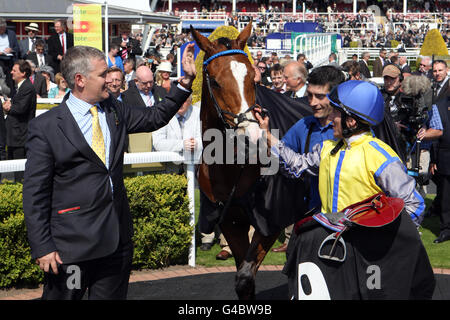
98 144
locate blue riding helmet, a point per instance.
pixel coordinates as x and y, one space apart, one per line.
359 98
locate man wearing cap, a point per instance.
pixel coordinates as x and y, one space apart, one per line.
28 44
393 78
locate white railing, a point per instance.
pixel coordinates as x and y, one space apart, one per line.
274 21
420 16
316 46
140 158
411 54
199 15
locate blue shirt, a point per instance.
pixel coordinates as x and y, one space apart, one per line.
433 122
83 117
118 63
296 138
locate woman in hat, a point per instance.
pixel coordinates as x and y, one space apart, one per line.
163 75
47 72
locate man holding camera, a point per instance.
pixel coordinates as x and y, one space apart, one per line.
407 100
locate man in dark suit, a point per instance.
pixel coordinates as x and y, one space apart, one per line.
59 43
19 110
379 63
295 75
76 209
441 170
441 87
39 57
38 80
9 52
364 65
129 47
144 93
403 64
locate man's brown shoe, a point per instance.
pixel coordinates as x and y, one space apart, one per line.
223 255
281 248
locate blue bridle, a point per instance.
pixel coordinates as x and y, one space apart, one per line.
223 53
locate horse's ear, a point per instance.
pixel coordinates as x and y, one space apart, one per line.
202 41
244 35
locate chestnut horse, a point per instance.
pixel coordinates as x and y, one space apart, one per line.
228 102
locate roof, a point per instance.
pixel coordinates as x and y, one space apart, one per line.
52 9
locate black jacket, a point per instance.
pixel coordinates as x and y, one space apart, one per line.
55 48
48 59
364 69
132 97
441 149
40 85
69 203
23 109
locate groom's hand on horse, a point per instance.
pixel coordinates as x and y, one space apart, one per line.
188 64
262 117
263 120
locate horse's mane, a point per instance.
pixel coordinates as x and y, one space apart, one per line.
224 35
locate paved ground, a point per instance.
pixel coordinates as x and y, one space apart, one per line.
216 283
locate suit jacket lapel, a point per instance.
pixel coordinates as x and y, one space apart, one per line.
71 130
113 122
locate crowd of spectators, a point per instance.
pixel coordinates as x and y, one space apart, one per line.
362 28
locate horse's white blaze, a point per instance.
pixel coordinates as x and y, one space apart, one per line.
239 71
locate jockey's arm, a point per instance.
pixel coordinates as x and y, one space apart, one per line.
294 164
395 182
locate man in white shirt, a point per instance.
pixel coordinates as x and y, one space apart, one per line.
182 134
130 74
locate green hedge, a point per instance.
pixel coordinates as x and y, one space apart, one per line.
160 209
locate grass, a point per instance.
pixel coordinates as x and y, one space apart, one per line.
437 253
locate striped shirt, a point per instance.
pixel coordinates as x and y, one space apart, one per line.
83 117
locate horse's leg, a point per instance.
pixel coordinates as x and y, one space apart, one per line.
235 230
245 277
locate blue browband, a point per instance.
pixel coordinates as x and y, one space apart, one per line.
223 53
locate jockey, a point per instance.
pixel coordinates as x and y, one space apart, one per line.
356 165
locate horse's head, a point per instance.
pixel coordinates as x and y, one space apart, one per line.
228 76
